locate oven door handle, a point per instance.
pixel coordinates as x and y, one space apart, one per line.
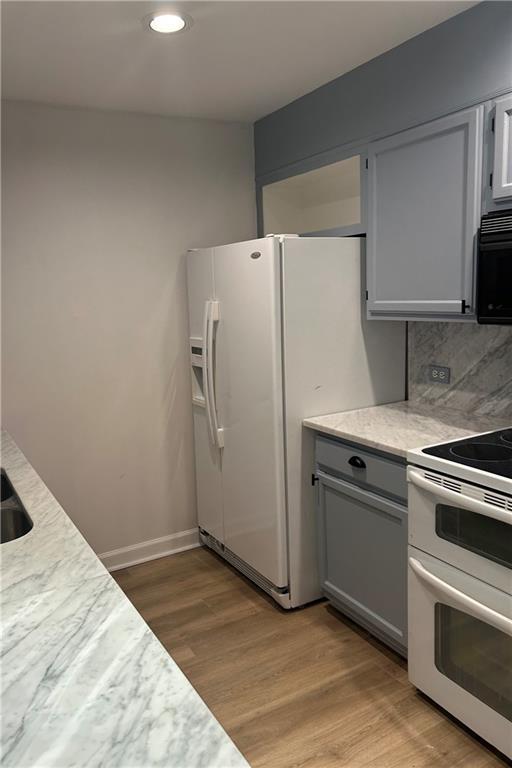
459 499
460 600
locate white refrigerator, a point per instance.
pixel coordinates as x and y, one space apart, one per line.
278 332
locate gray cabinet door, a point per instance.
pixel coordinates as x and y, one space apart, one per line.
424 190
363 557
502 170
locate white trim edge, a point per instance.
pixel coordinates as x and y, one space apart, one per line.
150 550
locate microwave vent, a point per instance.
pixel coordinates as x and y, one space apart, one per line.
495 225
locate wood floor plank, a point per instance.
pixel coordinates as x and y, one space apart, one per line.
294 689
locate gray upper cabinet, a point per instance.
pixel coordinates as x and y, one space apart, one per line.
502 170
424 194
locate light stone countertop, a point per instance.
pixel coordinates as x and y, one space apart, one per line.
85 682
400 427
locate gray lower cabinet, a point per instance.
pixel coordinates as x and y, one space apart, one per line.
362 539
424 198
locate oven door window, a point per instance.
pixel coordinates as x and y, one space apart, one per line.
475 656
478 533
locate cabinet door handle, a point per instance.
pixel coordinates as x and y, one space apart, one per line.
357 462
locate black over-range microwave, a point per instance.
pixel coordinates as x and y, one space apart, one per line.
494 268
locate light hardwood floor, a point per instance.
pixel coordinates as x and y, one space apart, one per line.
298 689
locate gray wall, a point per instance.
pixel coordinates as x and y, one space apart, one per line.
98 211
480 357
464 60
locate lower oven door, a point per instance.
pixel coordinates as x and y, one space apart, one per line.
462 524
460 646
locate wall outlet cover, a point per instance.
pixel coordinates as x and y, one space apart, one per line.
439 373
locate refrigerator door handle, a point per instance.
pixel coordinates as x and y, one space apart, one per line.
213 318
206 326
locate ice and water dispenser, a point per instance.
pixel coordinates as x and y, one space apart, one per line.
196 361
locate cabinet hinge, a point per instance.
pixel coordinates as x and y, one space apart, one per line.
366 163
490 179
465 306
366 295
314 479
492 125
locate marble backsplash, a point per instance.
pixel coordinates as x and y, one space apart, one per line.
480 358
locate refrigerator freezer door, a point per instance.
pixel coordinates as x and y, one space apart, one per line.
200 287
208 478
250 407
207 455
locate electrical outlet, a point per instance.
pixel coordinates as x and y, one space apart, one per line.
439 374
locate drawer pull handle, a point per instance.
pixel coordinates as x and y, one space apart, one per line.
357 462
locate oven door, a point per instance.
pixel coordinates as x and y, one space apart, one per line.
494 283
456 522
460 646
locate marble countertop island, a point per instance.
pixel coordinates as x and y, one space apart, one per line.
84 680
400 427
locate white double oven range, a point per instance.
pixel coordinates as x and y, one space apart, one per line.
460 580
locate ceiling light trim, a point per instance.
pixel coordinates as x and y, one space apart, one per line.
187 21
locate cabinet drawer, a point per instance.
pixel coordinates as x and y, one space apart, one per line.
377 472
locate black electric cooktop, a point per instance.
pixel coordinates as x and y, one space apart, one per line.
491 452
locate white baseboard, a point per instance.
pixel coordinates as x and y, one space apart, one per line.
150 550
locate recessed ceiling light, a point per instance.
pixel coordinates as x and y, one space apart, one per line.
167 23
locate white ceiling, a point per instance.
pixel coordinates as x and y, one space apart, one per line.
239 61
